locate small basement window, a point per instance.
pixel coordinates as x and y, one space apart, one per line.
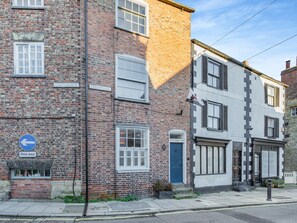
30 173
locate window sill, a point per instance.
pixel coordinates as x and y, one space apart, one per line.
215 130
133 171
212 174
133 101
28 76
129 31
28 7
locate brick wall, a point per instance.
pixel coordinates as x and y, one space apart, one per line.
289 77
33 105
167 51
34 189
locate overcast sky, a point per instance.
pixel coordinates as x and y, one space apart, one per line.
214 18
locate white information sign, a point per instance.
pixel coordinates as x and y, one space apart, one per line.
66 85
27 154
99 88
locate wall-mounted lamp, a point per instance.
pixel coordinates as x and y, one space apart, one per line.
163 146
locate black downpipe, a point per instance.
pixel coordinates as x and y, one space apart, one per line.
86 108
191 131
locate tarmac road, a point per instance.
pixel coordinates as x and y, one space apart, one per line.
279 213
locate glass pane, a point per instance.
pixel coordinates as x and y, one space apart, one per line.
121 161
38 3
121 14
217 111
142 162
122 132
32 2
210 109
209 169
134 27
203 160
142 10
141 30
137 133
122 3
216 71
130 133
264 164
210 122
135 19
210 68
130 142
123 142
272 163
122 153
128 161
137 142
216 159
47 173
222 160
129 5
135 7
197 160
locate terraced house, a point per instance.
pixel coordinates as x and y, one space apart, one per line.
239 129
93 102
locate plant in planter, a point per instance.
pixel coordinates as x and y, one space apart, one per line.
163 189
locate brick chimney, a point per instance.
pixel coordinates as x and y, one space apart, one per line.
288 64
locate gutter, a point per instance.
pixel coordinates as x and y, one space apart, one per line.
86 108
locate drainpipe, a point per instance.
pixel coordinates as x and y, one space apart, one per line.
86 107
192 132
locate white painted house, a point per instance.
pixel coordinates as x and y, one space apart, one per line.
238 132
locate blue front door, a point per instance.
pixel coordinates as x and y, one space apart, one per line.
176 162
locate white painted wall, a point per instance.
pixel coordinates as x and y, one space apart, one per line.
234 99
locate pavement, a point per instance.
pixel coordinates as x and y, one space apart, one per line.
148 206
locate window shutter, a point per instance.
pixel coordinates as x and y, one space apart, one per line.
225 77
225 120
204 69
265 125
265 94
204 114
276 128
276 97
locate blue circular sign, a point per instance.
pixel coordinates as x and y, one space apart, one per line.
27 142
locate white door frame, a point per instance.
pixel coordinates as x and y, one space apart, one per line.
182 140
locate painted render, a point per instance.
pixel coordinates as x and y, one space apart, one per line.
245 99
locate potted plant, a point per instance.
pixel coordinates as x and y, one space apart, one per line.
163 189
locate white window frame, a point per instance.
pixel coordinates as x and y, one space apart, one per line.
16 61
15 4
202 158
213 117
294 111
213 77
271 97
271 128
139 2
13 174
132 168
138 60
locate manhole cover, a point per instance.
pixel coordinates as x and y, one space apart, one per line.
198 200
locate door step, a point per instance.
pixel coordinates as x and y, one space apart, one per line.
182 191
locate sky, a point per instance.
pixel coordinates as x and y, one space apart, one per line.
215 18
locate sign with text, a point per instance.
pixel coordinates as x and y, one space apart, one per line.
27 154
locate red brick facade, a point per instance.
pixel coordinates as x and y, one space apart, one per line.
167 51
55 116
31 105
